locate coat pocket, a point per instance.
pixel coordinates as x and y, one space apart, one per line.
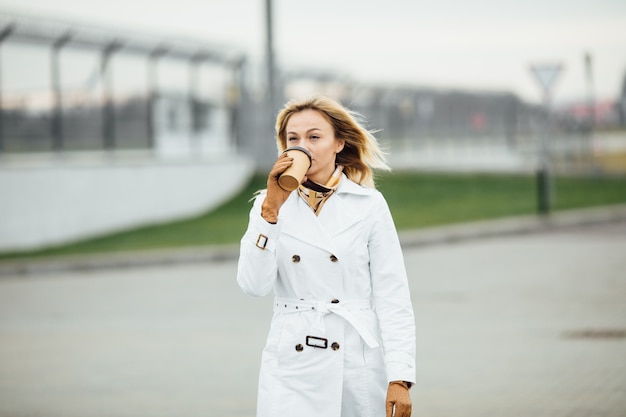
300 347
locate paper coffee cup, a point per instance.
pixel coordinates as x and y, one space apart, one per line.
292 177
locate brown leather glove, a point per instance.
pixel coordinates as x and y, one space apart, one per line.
398 396
275 196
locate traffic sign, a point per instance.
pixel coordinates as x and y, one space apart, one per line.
546 75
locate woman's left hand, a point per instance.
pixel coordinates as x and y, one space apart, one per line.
398 396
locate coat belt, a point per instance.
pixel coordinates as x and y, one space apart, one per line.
344 309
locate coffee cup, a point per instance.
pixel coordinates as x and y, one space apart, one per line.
293 176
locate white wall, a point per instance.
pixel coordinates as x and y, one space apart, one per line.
51 200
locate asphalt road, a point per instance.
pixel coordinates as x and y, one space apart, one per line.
524 325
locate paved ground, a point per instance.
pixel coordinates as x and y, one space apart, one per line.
524 325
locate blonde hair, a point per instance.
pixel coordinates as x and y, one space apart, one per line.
361 152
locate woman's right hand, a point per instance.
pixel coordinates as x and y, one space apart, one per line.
275 196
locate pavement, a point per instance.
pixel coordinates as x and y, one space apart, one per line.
515 317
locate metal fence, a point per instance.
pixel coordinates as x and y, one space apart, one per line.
60 108
102 108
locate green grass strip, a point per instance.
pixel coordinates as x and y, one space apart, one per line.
416 200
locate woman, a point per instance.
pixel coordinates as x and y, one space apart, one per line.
342 337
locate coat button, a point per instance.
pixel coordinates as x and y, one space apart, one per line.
299 348
295 258
333 258
334 301
334 346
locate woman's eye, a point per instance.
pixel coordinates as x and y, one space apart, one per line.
314 137
292 139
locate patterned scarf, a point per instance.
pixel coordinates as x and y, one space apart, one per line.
316 195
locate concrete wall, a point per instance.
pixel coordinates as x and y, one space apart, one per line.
52 199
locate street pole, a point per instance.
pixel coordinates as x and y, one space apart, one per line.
590 95
544 186
545 75
264 153
269 45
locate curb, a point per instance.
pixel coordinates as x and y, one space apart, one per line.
513 225
410 238
143 258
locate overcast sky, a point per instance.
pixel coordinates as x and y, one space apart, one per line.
479 45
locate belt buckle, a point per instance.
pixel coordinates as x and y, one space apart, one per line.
317 342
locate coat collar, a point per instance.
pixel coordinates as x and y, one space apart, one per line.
338 214
350 187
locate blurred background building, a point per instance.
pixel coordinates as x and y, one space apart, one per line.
99 100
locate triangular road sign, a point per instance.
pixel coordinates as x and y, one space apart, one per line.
546 75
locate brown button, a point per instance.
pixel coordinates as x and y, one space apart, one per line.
333 258
295 258
299 348
334 346
334 301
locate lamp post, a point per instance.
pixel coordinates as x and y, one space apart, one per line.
264 153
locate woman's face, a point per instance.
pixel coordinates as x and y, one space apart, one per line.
310 130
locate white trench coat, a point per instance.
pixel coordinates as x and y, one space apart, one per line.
343 324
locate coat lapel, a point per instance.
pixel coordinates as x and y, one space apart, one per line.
301 223
339 214
345 211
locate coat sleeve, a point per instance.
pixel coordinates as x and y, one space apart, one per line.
257 268
392 297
